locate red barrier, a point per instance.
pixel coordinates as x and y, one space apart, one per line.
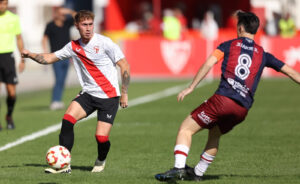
156 57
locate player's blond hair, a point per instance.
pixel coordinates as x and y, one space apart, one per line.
83 15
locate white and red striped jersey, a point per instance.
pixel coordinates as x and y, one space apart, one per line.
95 64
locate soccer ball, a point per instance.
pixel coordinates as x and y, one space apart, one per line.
58 157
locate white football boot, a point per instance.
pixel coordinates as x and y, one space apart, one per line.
67 170
99 166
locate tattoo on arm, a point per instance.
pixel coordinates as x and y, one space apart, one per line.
125 81
40 59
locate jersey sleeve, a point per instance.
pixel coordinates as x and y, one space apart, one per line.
65 52
47 30
220 51
17 26
218 54
222 47
113 51
273 62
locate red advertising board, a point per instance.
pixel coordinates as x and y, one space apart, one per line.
155 57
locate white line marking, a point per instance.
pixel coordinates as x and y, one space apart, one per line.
132 103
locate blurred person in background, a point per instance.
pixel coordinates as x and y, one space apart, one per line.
57 32
271 27
179 15
171 25
287 26
209 27
9 31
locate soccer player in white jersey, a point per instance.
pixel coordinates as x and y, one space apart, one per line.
95 58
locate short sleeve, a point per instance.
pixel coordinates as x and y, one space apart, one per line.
113 51
65 52
47 30
218 54
222 47
17 26
273 62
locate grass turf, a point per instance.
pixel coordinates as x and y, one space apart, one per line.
263 149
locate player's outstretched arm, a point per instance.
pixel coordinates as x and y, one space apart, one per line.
42 58
125 74
205 68
293 74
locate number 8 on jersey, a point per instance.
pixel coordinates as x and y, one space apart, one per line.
242 69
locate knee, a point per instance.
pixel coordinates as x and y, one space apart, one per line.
186 132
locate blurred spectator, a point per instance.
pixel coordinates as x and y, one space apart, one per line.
58 34
152 24
134 26
209 27
182 20
217 12
271 27
10 31
171 26
287 26
179 15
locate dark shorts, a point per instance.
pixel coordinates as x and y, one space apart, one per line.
106 108
8 73
219 110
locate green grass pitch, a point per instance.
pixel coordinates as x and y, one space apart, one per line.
263 149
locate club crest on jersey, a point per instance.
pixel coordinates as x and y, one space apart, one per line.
96 48
175 54
78 49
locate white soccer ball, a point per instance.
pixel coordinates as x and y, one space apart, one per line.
58 157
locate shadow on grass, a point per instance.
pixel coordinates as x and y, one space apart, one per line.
74 167
222 176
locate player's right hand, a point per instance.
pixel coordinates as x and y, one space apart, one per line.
183 93
25 53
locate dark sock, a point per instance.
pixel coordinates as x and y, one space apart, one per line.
66 136
103 147
10 101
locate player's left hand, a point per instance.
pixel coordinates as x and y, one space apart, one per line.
21 65
124 101
183 93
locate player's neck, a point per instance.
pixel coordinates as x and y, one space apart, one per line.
247 35
59 23
86 40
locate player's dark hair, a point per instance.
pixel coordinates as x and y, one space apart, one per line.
249 20
83 15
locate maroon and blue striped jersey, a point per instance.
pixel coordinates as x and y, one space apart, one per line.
242 67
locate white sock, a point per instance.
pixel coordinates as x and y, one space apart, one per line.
180 152
205 160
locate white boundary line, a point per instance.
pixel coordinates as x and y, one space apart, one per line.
137 101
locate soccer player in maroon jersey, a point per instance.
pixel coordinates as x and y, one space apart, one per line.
242 66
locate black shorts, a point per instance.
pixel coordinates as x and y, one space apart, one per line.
106 107
8 73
